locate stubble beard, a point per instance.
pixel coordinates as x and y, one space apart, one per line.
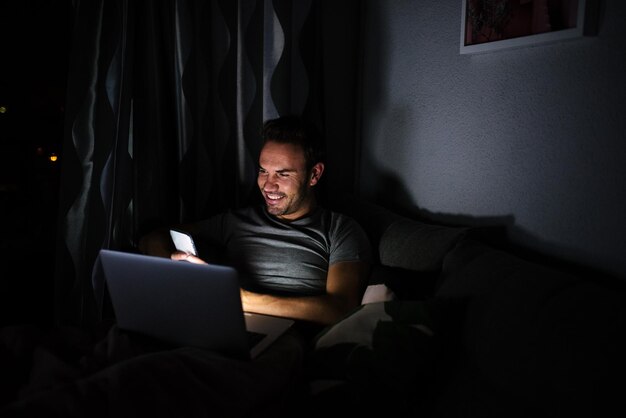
291 204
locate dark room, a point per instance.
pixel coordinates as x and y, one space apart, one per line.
277 208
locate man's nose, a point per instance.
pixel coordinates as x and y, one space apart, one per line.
270 183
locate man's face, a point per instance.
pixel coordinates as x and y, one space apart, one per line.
284 181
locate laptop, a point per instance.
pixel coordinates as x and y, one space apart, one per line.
186 304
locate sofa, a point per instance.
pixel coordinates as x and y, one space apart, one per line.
469 326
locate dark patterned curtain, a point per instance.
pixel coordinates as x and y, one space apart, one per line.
165 101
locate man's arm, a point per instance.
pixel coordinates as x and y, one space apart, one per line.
344 289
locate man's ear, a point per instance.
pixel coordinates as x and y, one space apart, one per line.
316 173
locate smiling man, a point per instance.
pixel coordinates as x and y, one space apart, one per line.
296 259
283 180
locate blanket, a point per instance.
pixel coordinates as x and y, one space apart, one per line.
69 372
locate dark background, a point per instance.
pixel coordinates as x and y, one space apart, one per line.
34 51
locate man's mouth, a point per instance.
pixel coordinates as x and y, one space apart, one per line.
273 198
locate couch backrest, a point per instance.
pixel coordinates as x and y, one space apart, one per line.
516 338
408 254
399 241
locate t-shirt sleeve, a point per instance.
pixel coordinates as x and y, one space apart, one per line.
349 241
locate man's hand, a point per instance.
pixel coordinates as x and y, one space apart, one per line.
159 242
182 256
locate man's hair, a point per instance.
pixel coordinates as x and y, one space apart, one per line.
293 129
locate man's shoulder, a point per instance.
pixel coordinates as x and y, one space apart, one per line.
348 235
338 215
340 220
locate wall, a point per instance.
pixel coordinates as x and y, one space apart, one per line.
530 138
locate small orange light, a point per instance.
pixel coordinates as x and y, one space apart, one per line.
53 157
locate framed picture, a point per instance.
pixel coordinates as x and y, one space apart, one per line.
488 25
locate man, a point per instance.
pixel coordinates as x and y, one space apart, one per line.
296 259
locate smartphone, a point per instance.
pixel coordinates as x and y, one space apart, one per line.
183 242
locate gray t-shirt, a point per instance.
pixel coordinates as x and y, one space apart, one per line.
285 257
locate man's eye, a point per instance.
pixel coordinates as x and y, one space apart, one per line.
283 174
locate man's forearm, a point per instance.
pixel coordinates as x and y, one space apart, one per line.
323 309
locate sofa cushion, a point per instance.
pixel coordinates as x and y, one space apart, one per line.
417 246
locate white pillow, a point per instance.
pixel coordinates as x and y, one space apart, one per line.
377 293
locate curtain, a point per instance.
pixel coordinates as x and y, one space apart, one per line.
165 100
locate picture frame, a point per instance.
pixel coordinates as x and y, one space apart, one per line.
490 25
